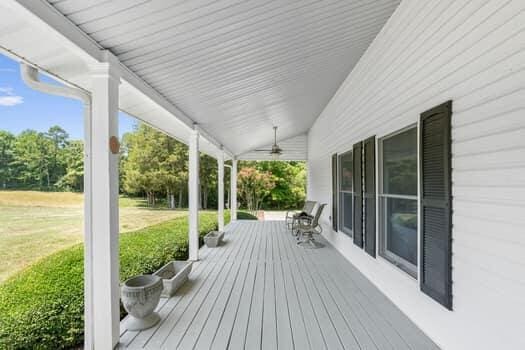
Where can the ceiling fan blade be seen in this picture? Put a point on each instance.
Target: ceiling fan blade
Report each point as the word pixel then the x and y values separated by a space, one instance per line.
pixel 275 150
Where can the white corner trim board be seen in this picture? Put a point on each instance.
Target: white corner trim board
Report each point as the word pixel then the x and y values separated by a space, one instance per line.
pixel 429 52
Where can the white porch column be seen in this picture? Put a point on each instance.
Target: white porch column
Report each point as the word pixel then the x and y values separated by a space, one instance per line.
pixel 220 192
pixel 234 190
pixel 101 202
pixel 193 196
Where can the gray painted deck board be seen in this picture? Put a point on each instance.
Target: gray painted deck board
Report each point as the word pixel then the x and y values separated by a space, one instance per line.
pixel 297 324
pixel 262 291
pixel 228 293
pixel 238 335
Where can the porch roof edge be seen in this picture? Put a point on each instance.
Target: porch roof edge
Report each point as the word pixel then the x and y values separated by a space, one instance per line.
pixel 44 16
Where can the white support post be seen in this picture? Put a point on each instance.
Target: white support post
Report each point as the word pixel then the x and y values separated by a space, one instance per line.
pixel 101 201
pixel 193 196
pixel 220 192
pixel 234 190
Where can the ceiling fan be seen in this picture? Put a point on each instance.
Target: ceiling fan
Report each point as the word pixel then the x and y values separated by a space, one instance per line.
pixel 276 151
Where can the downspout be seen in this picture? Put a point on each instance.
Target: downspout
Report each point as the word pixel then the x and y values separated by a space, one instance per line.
pixel 30 77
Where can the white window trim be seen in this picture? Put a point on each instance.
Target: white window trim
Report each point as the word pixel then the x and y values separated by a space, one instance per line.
pixel 340 227
pixel 399 263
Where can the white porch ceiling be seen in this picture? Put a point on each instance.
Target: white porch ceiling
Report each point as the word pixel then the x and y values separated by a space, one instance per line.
pixel 237 67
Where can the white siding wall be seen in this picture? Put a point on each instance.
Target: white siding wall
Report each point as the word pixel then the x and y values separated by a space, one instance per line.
pixel 472 52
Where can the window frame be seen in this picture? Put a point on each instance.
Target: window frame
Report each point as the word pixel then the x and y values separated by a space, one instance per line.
pixel 340 210
pixel 382 198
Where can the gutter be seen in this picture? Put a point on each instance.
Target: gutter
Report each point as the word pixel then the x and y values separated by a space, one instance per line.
pixel 30 77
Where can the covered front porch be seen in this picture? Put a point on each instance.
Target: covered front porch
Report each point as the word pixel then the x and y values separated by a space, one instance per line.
pixel 261 290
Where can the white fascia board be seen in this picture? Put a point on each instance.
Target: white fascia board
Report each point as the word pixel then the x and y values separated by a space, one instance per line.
pixel 46 18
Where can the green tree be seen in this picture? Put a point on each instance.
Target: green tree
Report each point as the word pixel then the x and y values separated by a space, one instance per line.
pixel 32 160
pixel 154 164
pixel 57 162
pixel 290 183
pixel 254 185
pixel 73 179
pixel 177 164
pixel 7 141
pixel 208 178
pixel 151 164
pixel 141 162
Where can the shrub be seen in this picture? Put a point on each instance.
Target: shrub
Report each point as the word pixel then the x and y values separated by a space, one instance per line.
pixel 42 307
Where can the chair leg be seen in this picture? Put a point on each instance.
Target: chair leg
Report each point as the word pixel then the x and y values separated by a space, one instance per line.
pixel 299 236
pixel 309 241
pixel 295 231
pixel 305 237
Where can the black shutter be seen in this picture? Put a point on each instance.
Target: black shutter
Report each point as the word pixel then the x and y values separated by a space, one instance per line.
pixel 358 196
pixel 334 191
pixel 436 204
pixel 370 195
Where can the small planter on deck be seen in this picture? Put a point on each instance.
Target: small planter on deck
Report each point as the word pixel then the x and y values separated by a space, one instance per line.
pixel 213 239
pixel 140 296
pixel 173 275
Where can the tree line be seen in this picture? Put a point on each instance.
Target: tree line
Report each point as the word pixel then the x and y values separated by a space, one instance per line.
pixel 44 161
pixel 152 165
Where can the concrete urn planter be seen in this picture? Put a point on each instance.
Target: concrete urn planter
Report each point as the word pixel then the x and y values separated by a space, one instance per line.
pixel 213 239
pixel 173 275
pixel 140 297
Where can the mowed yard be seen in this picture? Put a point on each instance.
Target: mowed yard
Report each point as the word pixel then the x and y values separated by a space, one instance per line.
pixel 36 224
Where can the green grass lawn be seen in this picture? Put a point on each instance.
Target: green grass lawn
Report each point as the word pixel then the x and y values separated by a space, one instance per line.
pixel 36 224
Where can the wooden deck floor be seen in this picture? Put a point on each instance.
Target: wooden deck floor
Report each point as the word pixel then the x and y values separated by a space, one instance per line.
pixel 262 291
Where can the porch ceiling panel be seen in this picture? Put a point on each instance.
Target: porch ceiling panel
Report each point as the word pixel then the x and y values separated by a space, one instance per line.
pixel 237 67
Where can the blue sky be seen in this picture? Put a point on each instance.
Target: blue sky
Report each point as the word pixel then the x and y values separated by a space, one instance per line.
pixel 22 108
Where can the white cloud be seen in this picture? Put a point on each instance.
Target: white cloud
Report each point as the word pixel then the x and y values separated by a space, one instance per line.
pixel 8 98
pixel 9 101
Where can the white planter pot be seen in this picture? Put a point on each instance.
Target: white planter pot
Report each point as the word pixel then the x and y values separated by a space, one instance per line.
pixel 173 275
pixel 213 239
pixel 140 297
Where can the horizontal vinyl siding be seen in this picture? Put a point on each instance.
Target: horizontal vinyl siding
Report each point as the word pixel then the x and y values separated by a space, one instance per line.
pixel 472 52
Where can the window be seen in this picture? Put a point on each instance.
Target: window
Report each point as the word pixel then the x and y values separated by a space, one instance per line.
pixel 398 200
pixel 334 193
pixel 345 192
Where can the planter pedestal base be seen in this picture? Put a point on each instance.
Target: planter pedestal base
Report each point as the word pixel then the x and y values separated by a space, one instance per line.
pixel 138 324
